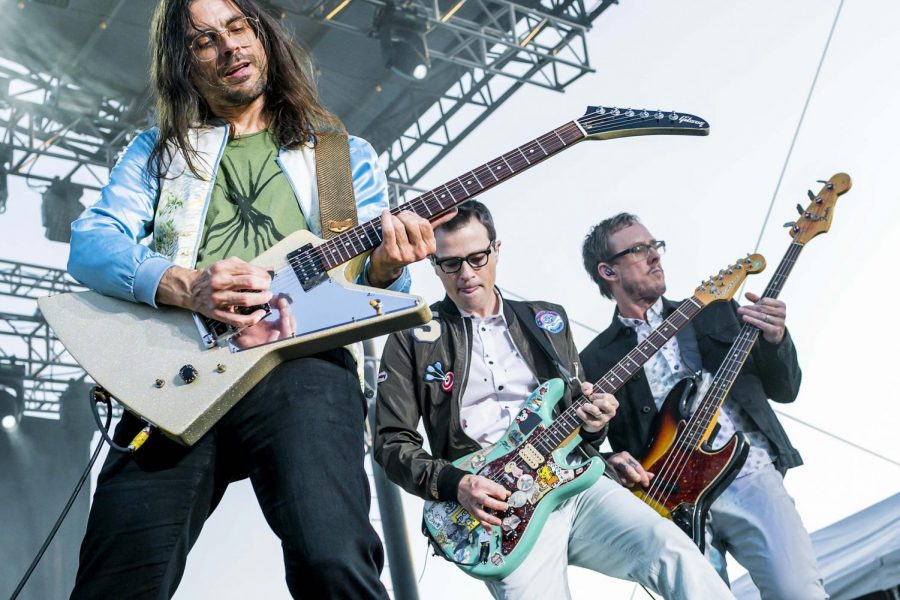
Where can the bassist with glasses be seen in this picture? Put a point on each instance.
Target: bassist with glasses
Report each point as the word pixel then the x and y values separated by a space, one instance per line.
pixel 754 518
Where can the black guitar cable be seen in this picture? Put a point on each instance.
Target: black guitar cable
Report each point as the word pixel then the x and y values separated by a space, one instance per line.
pixel 97 395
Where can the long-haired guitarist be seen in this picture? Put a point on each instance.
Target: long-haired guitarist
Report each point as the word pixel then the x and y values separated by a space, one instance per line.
pixel 228 172
pixel 754 519
pixel 467 374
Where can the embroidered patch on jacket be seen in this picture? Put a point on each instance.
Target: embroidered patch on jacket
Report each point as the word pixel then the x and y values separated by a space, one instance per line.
pixel 435 372
pixel 549 321
pixel 428 333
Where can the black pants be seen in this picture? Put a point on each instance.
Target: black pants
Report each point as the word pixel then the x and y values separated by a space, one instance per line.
pixel 298 435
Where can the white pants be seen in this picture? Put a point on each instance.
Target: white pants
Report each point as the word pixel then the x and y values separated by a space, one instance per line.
pixel 608 529
pixel 756 521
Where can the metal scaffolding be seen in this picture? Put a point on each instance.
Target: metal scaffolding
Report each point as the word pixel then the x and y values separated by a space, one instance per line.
pixel 29 341
pixel 500 46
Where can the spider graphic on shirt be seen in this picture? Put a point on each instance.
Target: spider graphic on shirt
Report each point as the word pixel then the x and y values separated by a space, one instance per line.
pixel 247 219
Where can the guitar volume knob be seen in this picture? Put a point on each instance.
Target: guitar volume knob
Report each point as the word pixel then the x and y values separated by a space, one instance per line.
pixel 187 373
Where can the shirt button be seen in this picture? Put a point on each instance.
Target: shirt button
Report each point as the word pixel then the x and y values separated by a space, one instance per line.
pixel 645 409
pixel 500 388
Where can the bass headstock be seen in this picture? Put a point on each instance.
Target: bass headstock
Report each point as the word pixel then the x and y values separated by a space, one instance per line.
pixel 607 122
pixel 817 217
pixel 729 280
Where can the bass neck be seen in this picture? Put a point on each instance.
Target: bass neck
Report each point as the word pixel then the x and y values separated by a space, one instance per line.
pixel 731 366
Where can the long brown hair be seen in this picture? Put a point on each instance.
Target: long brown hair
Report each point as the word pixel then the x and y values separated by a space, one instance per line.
pixel 292 106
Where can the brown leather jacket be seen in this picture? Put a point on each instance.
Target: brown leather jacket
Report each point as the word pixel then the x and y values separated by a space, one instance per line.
pixel 405 395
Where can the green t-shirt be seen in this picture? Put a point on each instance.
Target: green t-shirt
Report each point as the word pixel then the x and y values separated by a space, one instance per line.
pixel 252 205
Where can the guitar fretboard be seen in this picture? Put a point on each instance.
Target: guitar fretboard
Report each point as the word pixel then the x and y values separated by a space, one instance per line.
pixel 737 355
pixel 568 421
pixel 433 203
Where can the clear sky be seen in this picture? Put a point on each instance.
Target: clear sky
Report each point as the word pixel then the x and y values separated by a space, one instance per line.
pixel 746 68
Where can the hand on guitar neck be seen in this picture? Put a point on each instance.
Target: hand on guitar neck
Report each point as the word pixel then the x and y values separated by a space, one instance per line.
pixel 766 314
pixel 406 238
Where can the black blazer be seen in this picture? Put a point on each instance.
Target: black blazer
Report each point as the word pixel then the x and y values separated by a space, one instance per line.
pixel 771 372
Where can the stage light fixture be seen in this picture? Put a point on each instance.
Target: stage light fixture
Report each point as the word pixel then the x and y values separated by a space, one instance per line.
pixel 59 207
pixel 402 33
pixel 12 395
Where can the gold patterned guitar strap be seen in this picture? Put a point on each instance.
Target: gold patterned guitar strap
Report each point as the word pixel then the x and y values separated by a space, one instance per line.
pixel 337 204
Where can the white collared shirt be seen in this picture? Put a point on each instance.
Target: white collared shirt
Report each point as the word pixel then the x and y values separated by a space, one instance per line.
pixel 499 380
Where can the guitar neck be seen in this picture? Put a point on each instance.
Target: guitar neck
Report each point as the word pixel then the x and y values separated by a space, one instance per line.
pixel 568 421
pixel 443 198
pixel 737 355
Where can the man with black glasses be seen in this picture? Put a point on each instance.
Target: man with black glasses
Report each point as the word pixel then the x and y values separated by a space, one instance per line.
pixel 467 374
pixel 228 172
pixel 754 519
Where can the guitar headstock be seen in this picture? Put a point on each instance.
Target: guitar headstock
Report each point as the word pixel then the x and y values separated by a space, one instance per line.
pixel 605 122
pixel 816 218
pixel 729 280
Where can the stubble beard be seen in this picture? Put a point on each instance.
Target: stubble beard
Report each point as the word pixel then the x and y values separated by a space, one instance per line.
pixel 650 292
pixel 241 97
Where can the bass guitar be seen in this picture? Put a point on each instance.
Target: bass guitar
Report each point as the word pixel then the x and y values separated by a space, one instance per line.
pixel 688 475
pixel 182 372
pixel 530 460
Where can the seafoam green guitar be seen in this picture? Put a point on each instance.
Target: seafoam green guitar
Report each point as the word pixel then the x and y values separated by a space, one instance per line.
pixel 530 460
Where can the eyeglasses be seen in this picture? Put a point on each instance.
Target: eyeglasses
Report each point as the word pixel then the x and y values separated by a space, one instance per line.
pixel 242 31
pixel 452 265
pixel 640 251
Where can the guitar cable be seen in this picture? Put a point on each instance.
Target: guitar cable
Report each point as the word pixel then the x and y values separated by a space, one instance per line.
pixel 96 395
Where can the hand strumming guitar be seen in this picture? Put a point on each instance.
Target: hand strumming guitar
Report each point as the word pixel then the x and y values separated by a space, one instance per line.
pixel 630 470
pixel 476 494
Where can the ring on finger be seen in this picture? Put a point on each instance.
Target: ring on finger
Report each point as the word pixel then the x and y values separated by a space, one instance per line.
pixel 766 318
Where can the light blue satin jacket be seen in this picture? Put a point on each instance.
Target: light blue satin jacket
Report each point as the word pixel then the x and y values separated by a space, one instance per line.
pixel 111 250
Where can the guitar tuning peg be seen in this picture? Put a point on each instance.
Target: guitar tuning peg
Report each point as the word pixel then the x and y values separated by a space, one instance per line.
pixel 828 184
pixel 810 194
pixel 799 209
pixel 790 224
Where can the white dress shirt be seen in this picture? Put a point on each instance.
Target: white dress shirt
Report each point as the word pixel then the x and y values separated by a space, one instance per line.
pixel 499 380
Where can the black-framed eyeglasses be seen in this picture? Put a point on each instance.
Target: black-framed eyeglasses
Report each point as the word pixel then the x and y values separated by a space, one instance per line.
pixel 639 251
pixel 453 264
pixel 241 31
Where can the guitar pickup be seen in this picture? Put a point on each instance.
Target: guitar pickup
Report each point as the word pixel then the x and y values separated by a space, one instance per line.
pixel 532 457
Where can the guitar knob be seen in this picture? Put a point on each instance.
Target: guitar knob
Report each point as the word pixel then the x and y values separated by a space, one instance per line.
pixel 188 373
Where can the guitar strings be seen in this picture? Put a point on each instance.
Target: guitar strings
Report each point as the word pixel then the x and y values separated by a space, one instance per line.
pixel 607 120
pixel 482 170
